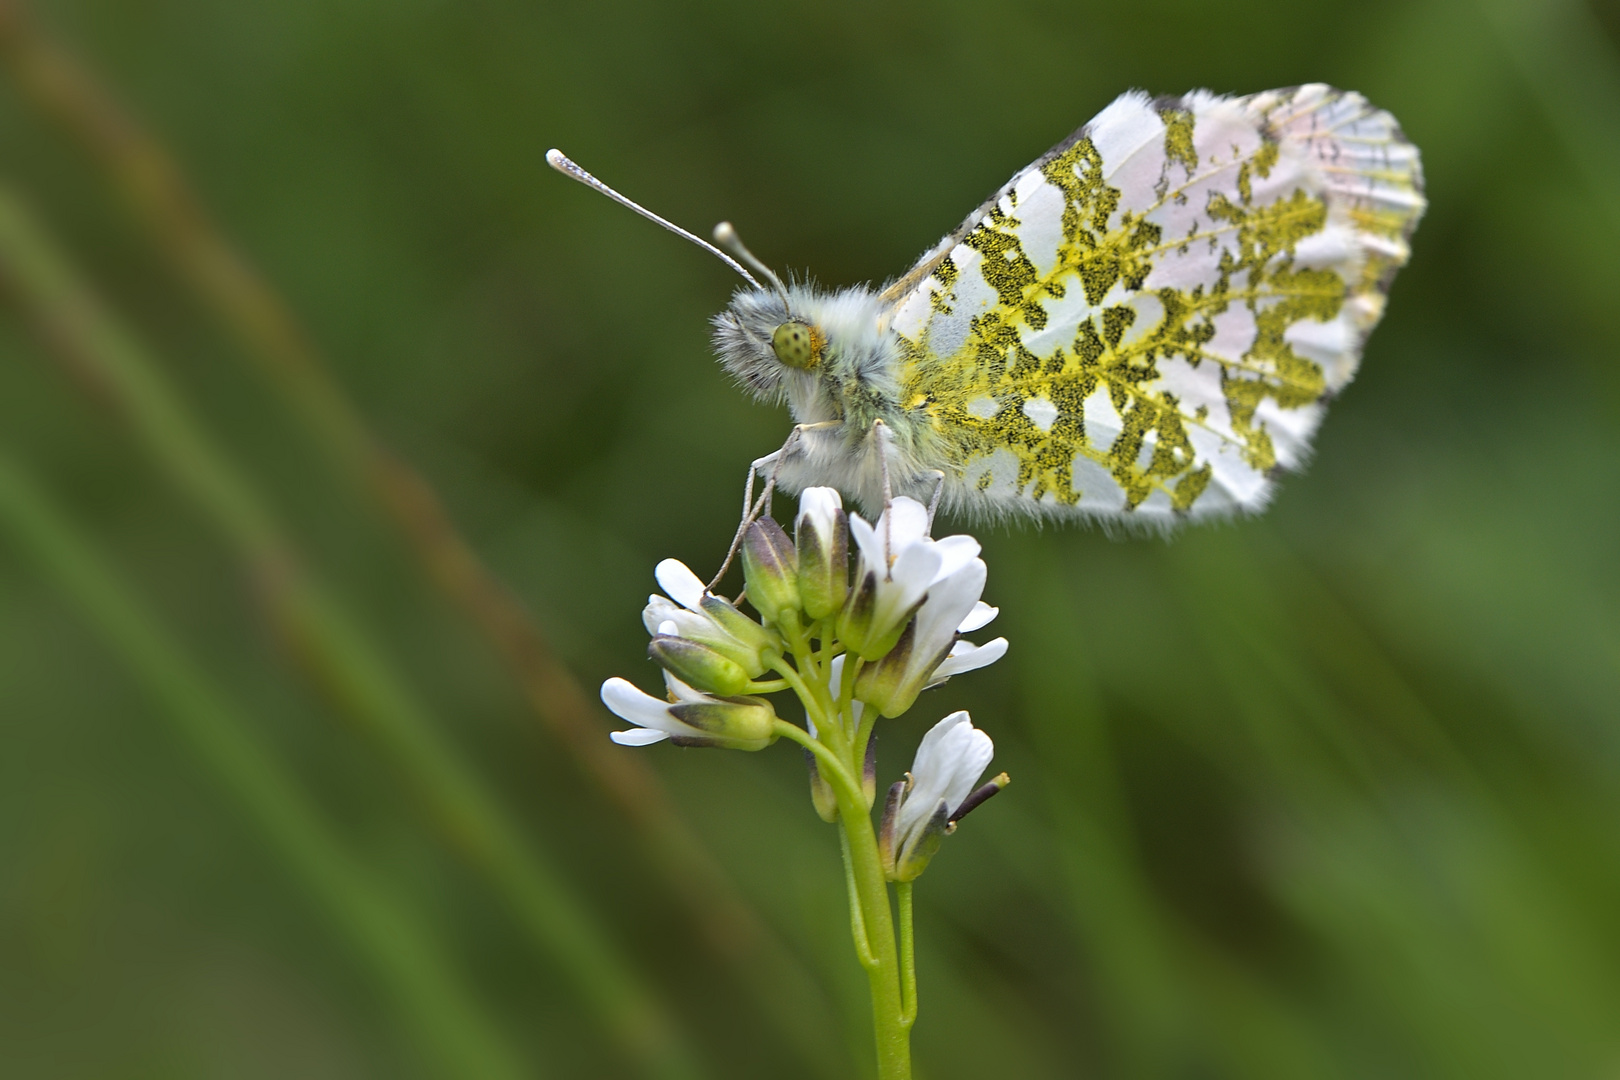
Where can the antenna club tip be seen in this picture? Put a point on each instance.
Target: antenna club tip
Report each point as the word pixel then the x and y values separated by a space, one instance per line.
pixel 725 233
pixel 557 159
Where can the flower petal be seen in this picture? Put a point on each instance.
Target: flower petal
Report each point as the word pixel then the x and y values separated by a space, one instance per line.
pixel 973 751
pixel 867 544
pixel 950 600
pixel 683 586
pixel 928 749
pixel 916 568
pixel 955 552
pixel 629 703
pixel 978 618
pixel 682 693
pixel 820 502
pixel 904 523
pixel 966 656
pixel 931 773
pixel 658 611
pixel 638 736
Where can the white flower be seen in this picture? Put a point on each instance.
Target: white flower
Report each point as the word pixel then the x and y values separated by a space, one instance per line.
pixel 927 651
pixel 699 616
pixel 899 564
pixel 691 719
pixel 939 790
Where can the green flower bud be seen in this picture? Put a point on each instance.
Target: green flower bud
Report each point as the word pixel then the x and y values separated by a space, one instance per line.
pixel 698 665
pixel 750 642
pixel 920 847
pixel 770 567
pixel 821 792
pixel 867 626
pixel 736 723
pixel 689 718
pixel 822 540
pixel 697 615
pixel 885 685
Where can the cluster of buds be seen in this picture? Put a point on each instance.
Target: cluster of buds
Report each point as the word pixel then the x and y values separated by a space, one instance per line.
pixel 897 610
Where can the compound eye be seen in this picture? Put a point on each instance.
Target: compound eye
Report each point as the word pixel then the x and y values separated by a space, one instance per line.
pixel 797 345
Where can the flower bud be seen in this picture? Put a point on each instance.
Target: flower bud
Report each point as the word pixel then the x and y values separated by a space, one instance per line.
pixel 821 792
pixel 689 718
pixel 770 567
pixel 884 685
pixel 821 535
pixel 698 666
pixel 917 848
pixel 887 826
pixel 737 723
pixel 697 615
pixel 749 642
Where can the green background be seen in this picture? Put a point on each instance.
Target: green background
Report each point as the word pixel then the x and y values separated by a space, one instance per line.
pixel 1328 793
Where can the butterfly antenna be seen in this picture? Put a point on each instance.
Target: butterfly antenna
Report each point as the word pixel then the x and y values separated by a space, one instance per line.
pixel 725 234
pixel 559 161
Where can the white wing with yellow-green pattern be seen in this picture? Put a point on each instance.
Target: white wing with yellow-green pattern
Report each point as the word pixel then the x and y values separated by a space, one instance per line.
pixel 1147 322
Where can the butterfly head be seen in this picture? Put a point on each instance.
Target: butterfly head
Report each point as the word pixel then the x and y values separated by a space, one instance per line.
pixel 799 343
pixel 765 344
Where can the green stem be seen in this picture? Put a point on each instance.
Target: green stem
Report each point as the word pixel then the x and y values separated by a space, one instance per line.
pixel 857 923
pixel 890 1030
pixel 908 957
pixel 846 698
pixel 863 735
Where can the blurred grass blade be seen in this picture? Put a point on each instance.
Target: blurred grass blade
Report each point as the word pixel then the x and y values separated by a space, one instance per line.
pixel 338 653
pixel 435 1007
pixel 153 184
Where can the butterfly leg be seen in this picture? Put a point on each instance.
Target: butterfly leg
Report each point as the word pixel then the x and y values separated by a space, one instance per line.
pixel 881 436
pixel 939 489
pixel 753 508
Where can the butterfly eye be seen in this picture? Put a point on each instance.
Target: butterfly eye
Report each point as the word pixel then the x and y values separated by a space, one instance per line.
pixel 797 345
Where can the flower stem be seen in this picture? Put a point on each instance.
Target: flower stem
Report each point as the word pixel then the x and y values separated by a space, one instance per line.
pixel 870 899
pixel 908 957
pixel 846 698
pixel 857 923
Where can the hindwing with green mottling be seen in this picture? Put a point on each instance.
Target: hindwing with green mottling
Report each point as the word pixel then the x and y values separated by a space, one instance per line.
pixel 1146 322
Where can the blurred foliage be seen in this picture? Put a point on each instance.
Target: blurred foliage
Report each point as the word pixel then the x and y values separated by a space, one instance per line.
pixel 1330 793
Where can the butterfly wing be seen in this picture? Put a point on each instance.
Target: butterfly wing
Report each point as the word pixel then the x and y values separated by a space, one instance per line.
pixel 1147 322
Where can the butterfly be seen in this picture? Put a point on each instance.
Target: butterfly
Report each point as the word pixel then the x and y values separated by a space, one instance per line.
pixel 1144 325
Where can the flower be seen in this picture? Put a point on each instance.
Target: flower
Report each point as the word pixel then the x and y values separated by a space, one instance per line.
pixel 691 718
pixel 771 569
pixel 928 651
pixel 899 563
pixel 936 793
pixel 821 537
pixel 698 616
